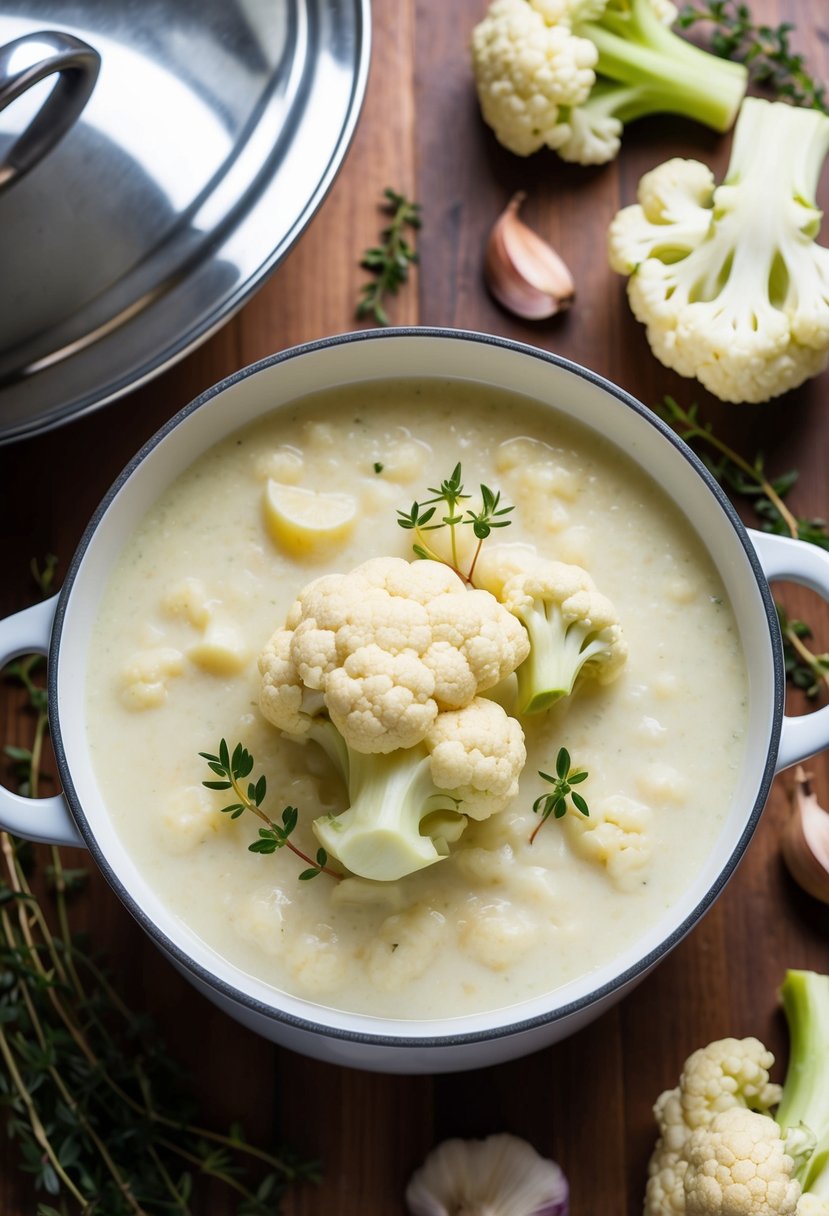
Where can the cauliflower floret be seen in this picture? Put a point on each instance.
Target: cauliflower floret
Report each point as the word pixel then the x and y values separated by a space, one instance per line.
pixel 407 806
pixel 189 818
pixel 534 68
pixel 404 947
pixel 389 645
pixel 721 1150
pixel 738 1166
pixel 495 932
pixel 594 138
pixel 525 71
pixel 145 677
pixel 573 629
pixel 616 834
pixel 727 1074
pixel 386 663
pixel 316 959
pixel 728 280
pixel 478 753
pixel 188 599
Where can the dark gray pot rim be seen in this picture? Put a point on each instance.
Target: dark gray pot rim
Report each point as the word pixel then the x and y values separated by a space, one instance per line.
pixel 510 1027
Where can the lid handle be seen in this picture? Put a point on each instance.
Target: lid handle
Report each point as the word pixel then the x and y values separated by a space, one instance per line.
pixel 25 62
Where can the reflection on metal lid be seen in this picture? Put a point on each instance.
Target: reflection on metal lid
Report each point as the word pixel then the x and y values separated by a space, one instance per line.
pixel 209 138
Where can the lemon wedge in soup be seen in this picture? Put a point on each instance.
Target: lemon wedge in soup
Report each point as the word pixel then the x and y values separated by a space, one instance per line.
pixel 302 521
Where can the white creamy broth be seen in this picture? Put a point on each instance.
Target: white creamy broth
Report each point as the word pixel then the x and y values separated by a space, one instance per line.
pixel 203 584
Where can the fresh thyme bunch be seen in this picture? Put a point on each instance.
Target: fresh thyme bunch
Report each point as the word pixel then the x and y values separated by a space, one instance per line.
pixel 806 670
pixel 765 50
pixel 99 1110
pixel 389 261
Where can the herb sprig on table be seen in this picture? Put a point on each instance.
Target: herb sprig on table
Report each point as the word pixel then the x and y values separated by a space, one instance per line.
pixel 420 518
pixel 232 771
pixel 805 669
pixel 389 261
pixel 765 50
pixel 98 1108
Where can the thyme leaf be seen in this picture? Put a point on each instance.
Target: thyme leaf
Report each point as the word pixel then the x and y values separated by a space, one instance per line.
pixel 420 518
pixel 805 670
pixel 232 771
pixel 389 261
pixel 554 801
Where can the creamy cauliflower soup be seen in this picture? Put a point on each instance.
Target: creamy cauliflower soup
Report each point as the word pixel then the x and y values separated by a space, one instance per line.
pixel 214 569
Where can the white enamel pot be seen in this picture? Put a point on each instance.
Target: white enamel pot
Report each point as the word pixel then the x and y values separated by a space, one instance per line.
pixel 746 561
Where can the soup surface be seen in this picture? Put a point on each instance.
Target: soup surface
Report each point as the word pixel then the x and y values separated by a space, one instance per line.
pixel 212 571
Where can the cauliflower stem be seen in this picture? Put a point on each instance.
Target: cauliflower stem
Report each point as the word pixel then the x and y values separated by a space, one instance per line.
pixel 397 820
pixel 568 74
pixel 805 1099
pixel 655 71
pixel 558 651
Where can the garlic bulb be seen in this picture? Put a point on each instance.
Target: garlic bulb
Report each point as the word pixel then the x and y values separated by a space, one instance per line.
pixel 499 1176
pixel 522 271
pixel 805 840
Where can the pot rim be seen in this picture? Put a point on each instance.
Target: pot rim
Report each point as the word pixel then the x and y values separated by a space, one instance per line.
pixel 509 1027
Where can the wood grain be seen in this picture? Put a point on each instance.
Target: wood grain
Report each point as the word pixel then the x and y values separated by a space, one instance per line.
pixel 585 1102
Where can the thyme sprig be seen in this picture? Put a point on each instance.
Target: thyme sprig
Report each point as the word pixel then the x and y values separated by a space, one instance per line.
pixel 389 262
pixel 765 50
pixel 806 670
pixel 99 1110
pixel 554 801
pixel 232 770
pixel 420 518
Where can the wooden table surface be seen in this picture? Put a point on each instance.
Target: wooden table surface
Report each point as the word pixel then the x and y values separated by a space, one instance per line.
pixel 586 1102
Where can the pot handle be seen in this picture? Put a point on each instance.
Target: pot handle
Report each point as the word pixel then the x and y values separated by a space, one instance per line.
pixel 45 819
pixel 43 54
pixel 797 561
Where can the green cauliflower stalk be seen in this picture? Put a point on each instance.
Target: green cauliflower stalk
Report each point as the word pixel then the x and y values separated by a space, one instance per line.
pixel 569 74
pixel 728 279
pixel 397 821
pixel 407 806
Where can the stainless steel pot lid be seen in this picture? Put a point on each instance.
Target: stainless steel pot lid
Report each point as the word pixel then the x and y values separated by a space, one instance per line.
pixel 157 160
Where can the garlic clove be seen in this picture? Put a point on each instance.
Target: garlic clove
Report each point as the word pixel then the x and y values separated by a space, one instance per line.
pixel 805 840
pixel 522 271
pixel 499 1176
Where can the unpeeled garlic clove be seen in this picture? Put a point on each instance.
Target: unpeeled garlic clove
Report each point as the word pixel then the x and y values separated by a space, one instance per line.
pixel 522 271
pixel 805 840
pixel 499 1176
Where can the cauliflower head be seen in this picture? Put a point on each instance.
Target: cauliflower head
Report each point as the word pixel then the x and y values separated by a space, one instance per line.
pixel 738 1166
pixel 728 279
pixel 729 1073
pixel 384 650
pixel 526 70
pixel 568 74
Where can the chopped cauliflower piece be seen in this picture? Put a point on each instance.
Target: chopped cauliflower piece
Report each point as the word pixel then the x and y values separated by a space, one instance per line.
pixel 404 947
pixel 188 600
pixel 189 818
pixel 145 677
pixel 616 835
